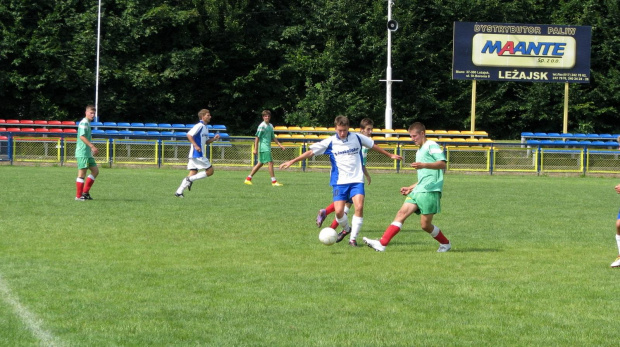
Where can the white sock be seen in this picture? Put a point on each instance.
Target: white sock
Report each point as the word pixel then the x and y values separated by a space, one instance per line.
pixel 618 242
pixel 273 179
pixel 346 209
pixel 198 176
pixel 249 178
pixel 181 187
pixel 435 231
pixel 344 222
pixel 91 177
pixel 356 226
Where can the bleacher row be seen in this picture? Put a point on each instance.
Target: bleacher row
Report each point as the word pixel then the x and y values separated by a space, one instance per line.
pixel 106 128
pixel 281 130
pixel 570 139
pixel 383 138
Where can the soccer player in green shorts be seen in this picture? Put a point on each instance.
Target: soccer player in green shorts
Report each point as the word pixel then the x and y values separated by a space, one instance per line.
pixel 423 197
pixel 262 148
pixel 84 151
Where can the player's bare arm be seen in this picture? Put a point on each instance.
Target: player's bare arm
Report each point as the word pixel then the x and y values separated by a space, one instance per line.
pixel 618 189
pixel 93 149
pixel 407 190
pixel 366 174
pixel 288 164
pixel 387 154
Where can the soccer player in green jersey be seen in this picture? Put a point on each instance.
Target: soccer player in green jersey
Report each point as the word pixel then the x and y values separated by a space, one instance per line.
pixel 262 148
pixel 424 196
pixel 84 151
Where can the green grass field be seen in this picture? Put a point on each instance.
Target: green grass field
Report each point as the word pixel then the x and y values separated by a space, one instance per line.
pixel 237 265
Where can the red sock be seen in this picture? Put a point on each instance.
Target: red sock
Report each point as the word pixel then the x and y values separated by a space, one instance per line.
pixel 89 183
pixel 334 224
pixel 79 188
pixel 329 209
pixel 442 239
pixel 389 233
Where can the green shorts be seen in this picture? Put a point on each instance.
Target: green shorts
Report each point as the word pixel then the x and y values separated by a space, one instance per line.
pixel 85 162
pixel 264 157
pixel 428 203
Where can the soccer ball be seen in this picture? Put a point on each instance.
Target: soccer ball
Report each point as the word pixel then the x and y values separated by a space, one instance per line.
pixel 328 236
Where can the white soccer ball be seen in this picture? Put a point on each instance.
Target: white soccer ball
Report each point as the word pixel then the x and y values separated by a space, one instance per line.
pixel 328 236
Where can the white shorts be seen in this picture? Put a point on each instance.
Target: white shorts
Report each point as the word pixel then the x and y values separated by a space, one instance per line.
pixel 198 164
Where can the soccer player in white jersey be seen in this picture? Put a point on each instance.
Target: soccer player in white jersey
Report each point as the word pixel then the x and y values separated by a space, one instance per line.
pixel 347 174
pixel 198 137
pixel 366 126
pixel 423 197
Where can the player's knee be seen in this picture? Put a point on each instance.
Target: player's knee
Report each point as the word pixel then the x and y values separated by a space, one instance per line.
pixel 210 171
pixel 426 225
pixel 618 224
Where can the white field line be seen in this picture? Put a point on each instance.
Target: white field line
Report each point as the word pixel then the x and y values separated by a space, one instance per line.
pixel 28 318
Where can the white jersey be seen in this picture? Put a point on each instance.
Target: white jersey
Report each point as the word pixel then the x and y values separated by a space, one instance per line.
pixel 200 133
pixel 346 157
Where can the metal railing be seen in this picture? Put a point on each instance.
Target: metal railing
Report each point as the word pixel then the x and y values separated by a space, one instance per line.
pixel 237 152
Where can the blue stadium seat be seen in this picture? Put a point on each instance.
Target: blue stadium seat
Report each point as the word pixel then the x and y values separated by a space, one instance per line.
pixel 189 126
pixel 572 142
pixel 164 125
pixel 533 142
pixel 540 134
pixel 153 133
pixel 151 125
pixel 599 143
pixel 219 127
pixel 553 134
pixel 137 125
pixel 97 132
pixel 125 132
pixel 123 124
pixel 580 136
pixel 111 132
pixel 178 126
pixel 606 137
pixel 587 142
pixel 527 133
pixel 167 133
pixel 224 137
pixel 180 134
pixel 110 124
pixel 96 124
pixel 139 133
pixel 566 135
pixel 547 142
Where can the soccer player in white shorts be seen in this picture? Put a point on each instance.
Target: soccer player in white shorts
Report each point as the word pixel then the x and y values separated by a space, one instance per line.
pixel 198 136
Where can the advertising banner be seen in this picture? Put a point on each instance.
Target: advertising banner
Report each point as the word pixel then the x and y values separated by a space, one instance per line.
pixel 521 52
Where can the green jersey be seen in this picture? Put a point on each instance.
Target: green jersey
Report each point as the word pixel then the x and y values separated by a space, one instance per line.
pixel 429 180
pixel 265 136
pixel 81 149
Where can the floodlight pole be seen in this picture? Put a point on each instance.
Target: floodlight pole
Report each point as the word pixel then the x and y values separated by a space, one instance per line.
pixel 97 68
pixel 392 26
